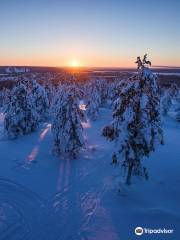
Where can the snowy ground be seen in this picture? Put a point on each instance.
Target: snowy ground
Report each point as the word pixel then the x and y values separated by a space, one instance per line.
pixel 43 197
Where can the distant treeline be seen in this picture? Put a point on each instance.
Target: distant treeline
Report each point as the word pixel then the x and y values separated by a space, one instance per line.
pixel 92 69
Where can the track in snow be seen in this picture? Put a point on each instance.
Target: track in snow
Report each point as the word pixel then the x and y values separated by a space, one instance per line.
pixel 79 203
pixel 70 213
pixel 22 212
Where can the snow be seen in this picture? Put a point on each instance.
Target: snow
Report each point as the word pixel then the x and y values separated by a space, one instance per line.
pixel 16 69
pixel 44 197
pixel 169 74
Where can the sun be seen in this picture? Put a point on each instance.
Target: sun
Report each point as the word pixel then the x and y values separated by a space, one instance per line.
pixel 74 63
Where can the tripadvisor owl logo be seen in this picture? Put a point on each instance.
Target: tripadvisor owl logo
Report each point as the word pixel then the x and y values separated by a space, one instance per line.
pixel 139 231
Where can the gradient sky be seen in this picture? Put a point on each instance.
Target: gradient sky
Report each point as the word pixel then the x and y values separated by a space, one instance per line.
pixel 95 32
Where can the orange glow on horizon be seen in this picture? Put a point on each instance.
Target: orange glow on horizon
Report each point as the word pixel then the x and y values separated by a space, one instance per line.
pixel 74 63
pixel 87 61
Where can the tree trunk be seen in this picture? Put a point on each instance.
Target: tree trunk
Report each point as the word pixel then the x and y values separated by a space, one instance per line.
pixel 129 174
pixel 114 159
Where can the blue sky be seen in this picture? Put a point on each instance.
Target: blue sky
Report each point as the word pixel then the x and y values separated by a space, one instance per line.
pixel 95 33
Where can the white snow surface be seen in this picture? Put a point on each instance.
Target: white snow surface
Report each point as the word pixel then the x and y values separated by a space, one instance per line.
pixel 47 198
pixel 16 69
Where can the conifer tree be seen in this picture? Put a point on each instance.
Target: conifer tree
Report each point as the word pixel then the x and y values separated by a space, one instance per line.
pixel 178 105
pixel 40 100
pixel 50 90
pixel 178 114
pixel 58 96
pixel 174 92
pixel 20 116
pixel 93 102
pixel 102 88
pixel 67 125
pixel 136 126
pixel 166 102
pixel 5 98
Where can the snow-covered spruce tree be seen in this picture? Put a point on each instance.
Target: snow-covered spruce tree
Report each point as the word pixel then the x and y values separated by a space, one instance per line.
pixel 93 101
pixel 5 98
pixel 67 128
pixel 170 99
pixel 111 91
pixel 102 88
pixel 136 126
pixel 166 102
pixel 1 98
pixel 40 100
pixel 58 96
pixel 117 93
pixel 174 92
pixel 178 115
pixel 20 116
pixel 50 90
pixel 116 88
pixel 178 107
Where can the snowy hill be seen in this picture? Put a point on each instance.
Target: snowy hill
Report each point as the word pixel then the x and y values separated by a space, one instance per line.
pixel 43 197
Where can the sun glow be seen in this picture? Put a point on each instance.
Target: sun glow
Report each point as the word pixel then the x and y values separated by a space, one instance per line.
pixel 74 63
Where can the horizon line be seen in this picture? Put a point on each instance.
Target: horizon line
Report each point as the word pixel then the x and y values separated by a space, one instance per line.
pixel 48 66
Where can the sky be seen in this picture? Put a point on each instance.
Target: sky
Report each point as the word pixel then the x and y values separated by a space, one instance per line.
pixel 100 33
